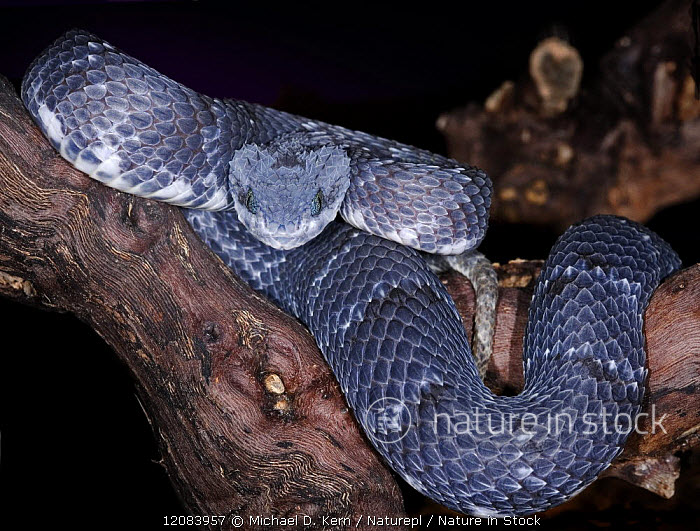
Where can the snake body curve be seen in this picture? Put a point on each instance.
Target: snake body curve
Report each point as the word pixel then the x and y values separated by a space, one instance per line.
pixel 134 129
pixel 384 322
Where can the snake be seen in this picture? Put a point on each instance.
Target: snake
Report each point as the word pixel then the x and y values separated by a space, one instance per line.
pixel 339 228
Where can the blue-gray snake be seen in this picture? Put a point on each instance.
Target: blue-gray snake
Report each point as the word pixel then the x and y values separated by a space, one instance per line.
pixel 381 318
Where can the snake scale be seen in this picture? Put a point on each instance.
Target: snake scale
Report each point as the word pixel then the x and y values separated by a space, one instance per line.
pixel 263 188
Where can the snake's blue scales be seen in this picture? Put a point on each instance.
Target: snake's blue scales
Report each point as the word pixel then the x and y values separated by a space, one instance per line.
pixel 383 321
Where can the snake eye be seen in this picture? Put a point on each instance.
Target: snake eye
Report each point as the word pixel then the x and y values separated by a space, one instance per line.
pixel 317 203
pixel 250 202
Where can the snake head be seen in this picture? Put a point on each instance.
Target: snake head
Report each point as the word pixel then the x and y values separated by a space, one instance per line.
pixel 285 192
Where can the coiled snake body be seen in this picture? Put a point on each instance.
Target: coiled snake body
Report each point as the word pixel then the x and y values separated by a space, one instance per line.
pixel 382 319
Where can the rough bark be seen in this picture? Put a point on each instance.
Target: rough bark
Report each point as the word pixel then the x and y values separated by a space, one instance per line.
pixel 626 143
pixel 248 416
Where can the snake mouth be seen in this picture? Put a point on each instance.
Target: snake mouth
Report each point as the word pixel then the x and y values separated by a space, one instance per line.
pixel 283 243
pixel 283 237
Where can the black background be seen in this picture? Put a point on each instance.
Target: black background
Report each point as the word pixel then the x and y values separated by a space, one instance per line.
pixel 76 447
